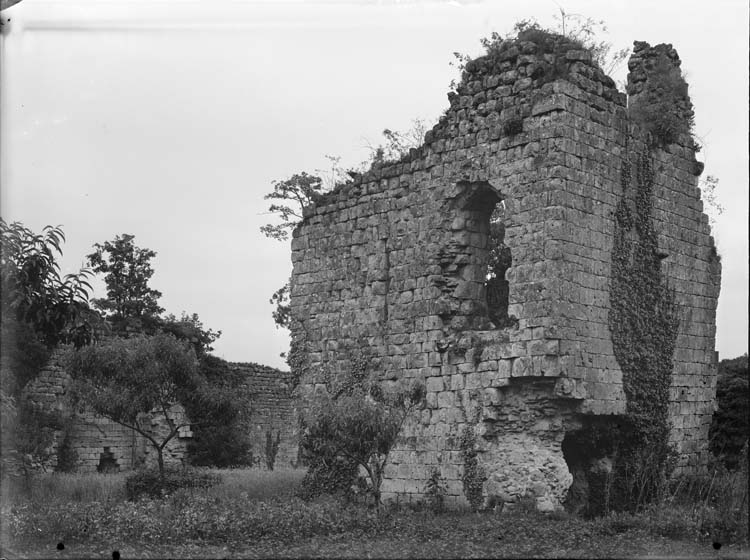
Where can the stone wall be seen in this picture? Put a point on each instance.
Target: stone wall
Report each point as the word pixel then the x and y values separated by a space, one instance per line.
pixel 97 443
pixel 393 267
pixel 272 411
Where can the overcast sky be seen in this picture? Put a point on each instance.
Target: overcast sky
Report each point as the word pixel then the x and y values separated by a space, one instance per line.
pixel 169 120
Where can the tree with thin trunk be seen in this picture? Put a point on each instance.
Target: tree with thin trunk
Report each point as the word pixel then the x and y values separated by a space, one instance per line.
pixel 126 379
pixel 360 426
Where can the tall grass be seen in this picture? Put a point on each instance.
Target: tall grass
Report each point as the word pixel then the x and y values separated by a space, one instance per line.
pixel 252 484
pixel 255 484
pixel 712 507
pixel 64 488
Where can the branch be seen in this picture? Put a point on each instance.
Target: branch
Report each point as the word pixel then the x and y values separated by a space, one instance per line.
pixel 136 427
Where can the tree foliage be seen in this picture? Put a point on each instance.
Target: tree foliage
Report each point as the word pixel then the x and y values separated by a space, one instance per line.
pixel 220 434
pixel 731 421
pixel 39 309
pixel 359 427
pixel 294 195
pixel 33 290
pixel 191 329
pixel 127 271
pixel 125 379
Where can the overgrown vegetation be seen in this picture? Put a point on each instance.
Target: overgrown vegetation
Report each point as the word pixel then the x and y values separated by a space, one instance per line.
pixel 643 322
pixel 355 428
pixel 572 32
pixel 473 475
pixel 664 109
pixel 252 513
pixel 221 434
pixel 731 422
pixel 153 484
pixel 125 379
pixel 38 310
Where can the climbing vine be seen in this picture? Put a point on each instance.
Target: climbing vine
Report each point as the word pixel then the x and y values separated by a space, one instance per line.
pixel 644 322
pixel 473 476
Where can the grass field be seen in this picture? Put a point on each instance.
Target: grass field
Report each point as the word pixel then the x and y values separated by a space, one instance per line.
pixel 254 513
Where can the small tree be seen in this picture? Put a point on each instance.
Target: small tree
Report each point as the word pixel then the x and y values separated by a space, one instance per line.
pixel 124 379
pixel 38 309
pixel 359 427
pixel 127 270
pixel 296 193
pixel 33 292
pixel 190 328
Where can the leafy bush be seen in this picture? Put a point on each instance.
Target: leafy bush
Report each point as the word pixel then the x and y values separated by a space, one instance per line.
pixel 219 446
pixel 356 428
pixel 328 475
pixel 151 484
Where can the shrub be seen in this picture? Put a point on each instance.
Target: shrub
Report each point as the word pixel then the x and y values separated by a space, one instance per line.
pixel 151 484
pixel 220 434
pixel 328 475
pixel 435 490
pixel 357 428
pixel 219 446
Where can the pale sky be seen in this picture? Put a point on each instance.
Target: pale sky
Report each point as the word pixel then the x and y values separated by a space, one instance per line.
pixel 169 120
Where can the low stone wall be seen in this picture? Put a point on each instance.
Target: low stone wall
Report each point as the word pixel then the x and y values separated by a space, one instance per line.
pixel 94 443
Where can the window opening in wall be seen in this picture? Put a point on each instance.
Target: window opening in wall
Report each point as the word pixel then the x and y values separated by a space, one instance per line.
pixel 107 462
pixel 485 216
pixel 497 288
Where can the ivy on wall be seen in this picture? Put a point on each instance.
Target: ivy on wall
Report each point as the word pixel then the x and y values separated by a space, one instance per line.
pixel 473 476
pixel 643 321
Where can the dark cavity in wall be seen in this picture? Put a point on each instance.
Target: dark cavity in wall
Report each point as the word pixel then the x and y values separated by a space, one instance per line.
pixel 591 453
pixel 107 462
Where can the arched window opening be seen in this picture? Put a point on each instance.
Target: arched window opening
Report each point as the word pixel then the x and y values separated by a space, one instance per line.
pixel 482 213
pixel 499 260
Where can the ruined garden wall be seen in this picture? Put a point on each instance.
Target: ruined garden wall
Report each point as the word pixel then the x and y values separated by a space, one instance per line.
pixel 392 268
pixel 97 442
pixel 93 438
pixel 272 411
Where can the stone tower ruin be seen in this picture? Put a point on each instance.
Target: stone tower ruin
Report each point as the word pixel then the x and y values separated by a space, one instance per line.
pixel 542 263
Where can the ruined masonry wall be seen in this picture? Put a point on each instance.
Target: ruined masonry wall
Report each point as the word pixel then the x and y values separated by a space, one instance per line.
pixel 270 401
pixel 392 268
pixel 89 435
